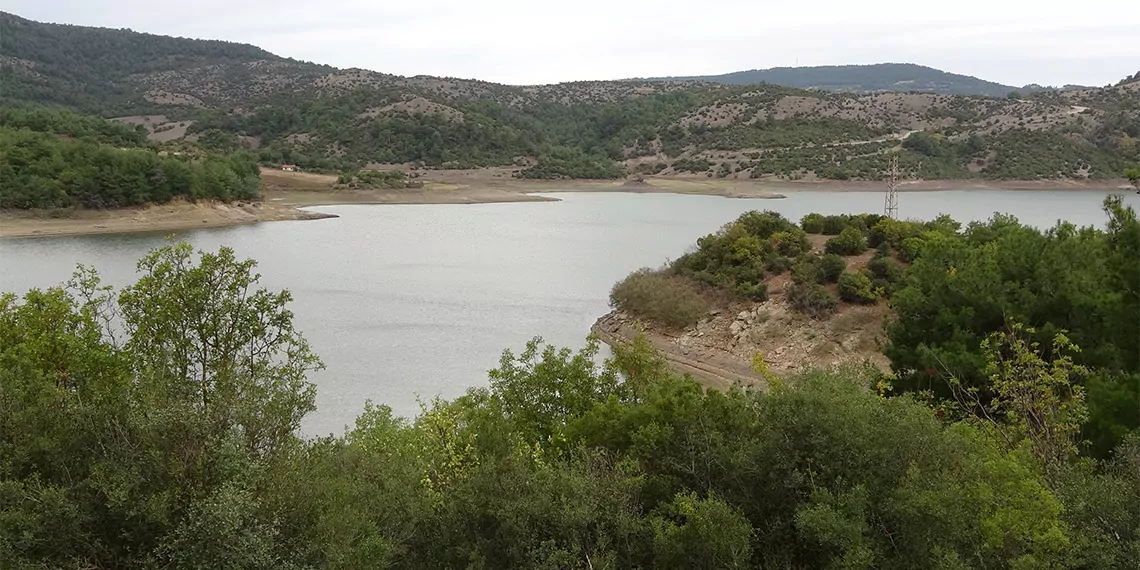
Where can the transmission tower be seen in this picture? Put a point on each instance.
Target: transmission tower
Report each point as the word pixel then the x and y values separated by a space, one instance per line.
pixel 891 203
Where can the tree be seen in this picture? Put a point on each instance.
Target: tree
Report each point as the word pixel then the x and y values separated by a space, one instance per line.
pixel 211 344
pixel 1036 403
pixel 850 241
pixel 855 287
pixel 1133 176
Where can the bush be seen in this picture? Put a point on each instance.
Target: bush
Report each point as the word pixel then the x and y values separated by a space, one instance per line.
pixel 811 299
pixel 849 242
pixel 908 250
pixel 812 223
pixel 807 269
pixel 662 296
pixel 753 291
pixel 831 267
pixel 885 268
pixel 856 288
pixel 791 243
pixel 778 265
pixel 833 225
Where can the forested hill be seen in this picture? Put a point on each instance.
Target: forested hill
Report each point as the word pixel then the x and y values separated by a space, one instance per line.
pixel 88 68
pixel 52 158
pixel 228 96
pixel 868 79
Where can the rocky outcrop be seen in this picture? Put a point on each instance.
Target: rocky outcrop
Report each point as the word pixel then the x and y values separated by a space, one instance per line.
pixel 719 350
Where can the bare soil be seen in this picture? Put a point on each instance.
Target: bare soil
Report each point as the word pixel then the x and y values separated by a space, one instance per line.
pixel 176 215
pixel 719 350
pixel 283 193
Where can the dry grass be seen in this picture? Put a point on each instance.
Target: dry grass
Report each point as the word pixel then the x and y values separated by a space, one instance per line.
pixel 670 299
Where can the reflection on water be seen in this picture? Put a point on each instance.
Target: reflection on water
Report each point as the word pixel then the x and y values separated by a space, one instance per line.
pixel 407 301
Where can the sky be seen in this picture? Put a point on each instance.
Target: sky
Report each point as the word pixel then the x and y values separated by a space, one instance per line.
pixel 1015 42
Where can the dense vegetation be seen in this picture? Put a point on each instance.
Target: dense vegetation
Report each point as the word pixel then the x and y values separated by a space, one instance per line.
pixel 51 158
pixel 949 289
pixel 334 120
pixel 85 68
pixel 164 439
pixel 867 78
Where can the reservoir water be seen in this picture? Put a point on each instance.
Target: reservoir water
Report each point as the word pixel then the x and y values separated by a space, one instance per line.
pixel 411 302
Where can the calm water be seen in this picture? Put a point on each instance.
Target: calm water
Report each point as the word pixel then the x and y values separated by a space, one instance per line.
pixel 407 302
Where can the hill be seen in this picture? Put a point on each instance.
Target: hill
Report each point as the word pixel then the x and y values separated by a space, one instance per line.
pixel 868 79
pixel 228 96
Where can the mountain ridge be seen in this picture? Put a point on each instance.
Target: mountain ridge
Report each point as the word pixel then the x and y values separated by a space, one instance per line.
pixel 868 78
pixel 229 95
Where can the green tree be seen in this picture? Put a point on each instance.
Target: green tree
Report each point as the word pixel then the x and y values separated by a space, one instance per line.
pixel 855 287
pixel 1133 176
pixel 850 241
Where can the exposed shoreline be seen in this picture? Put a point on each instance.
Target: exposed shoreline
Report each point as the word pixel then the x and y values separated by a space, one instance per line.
pixel 285 194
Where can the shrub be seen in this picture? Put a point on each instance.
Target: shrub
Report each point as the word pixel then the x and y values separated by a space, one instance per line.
pixel 791 243
pixel 778 265
pixel 849 242
pixel 883 250
pixel 856 287
pixel 662 296
pixel 885 268
pixel 812 223
pixel 833 225
pixel 811 299
pixel 908 250
pixel 831 267
pixel 807 270
pixel 753 291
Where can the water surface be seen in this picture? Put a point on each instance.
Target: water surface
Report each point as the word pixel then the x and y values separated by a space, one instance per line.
pixel 417 301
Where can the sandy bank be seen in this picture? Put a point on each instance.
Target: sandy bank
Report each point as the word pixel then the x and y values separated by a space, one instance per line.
pixel 285 192
pixel 173 216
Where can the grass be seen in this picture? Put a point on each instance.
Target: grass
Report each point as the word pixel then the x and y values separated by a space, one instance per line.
pixel 662 296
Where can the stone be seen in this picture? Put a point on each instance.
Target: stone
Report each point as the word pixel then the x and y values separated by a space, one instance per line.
pixel 735 328
pixel 742 316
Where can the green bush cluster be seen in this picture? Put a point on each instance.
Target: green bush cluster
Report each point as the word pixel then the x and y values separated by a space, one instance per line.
pixel 963 286
pixel 394 179
pixel 42 170
pixel 856 287
pixel 134 450
pixel 736 257
pixel 811 298
pixel 850 241
pixel 572 163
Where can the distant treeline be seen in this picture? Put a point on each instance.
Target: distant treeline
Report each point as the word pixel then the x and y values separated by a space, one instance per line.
pixel 58 159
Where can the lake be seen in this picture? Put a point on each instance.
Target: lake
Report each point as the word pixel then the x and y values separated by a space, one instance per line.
pixel 405 303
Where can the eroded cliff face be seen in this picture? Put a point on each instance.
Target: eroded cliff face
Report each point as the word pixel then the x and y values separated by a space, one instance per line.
pixel 720 349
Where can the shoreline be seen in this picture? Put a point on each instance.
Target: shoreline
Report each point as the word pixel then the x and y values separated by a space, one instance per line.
pixel 285 195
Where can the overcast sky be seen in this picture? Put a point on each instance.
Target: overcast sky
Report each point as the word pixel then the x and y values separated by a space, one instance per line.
pixel 1091 42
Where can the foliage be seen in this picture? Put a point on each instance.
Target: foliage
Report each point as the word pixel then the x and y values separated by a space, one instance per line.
pixel 832 266
pixel 812 223
pixel 849 242
pixel 811 299
pixel 64 122
pixel 736 257
pixel 395 179
pixel 154 429
pixel 855 287
pixel 563 162
pixel 660 295
pixel 866 78
pixel 965 286
pixel 1038 403
pixel 76 161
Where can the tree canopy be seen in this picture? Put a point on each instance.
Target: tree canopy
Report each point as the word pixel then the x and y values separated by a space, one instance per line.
pixel 154 427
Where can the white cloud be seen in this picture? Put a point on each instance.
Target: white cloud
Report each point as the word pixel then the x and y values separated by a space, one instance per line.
pixel 515 41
